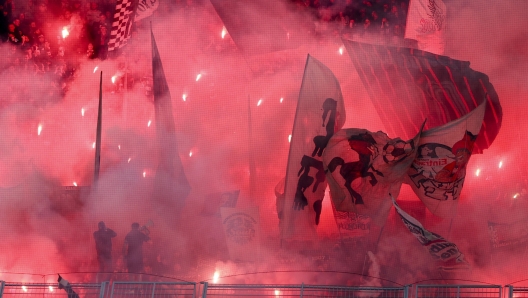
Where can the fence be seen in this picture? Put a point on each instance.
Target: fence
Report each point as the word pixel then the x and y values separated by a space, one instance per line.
pixel 457 291
pixel 280 291
pixel 190 289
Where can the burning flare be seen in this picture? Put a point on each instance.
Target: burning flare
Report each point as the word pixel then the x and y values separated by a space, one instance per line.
pixel 95 69
pixel 39 129
pixel 224 32
pixel 216 277
pixel 65 32
pixel 82 112
pixel 184 97
pixel 198 77
pixel 259 102
pixel 148 124
pixel 477 172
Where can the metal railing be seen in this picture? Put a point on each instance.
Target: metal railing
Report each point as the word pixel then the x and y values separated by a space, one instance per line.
pixel 457 291
pixel 281 291
pixel 153 289
pixel 26 290
pixel 517 292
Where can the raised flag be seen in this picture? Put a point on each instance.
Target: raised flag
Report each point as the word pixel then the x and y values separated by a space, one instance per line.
pixel 242 232
pixel 320 113
pixel 446 253
pixel 98 132
pixel 122 24
pixel 170 182
pixel 408 86
pixel 258 27
pixel 439 169
pixel 426 23
pixel 363 167
pixel 145 8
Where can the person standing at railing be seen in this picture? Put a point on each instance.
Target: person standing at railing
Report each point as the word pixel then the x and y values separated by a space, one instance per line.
pixel 133 249
pixel 103 246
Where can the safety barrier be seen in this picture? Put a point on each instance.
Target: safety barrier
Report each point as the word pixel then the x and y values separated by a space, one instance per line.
pixel 205 290
pixel 23 290
pixel 517 292
pixel 457 291
pixel 153 289
pixel 280 291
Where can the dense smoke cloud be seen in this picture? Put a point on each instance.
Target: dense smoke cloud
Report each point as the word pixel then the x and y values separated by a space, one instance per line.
pixel 43 235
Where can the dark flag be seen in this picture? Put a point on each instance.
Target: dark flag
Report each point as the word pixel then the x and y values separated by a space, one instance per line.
pixel 258 27
pixel 99 127
pixel 122 24
pixel 170 181
pixel 408 86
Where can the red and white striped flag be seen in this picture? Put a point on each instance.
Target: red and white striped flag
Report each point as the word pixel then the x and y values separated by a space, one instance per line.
pixel 121 24
pixel 408 86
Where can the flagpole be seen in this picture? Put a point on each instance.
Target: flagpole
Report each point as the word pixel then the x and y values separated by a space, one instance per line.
pixel 252 167
pixel 98 134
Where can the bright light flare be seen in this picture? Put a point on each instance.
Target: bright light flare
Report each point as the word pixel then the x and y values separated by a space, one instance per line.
pixel 95 69
pixel 289 139
pixel 198 77
pixel 190 153
pixel 113 79
pixel 24 288
pixel 277 292
pixel 281 99
pixel 50 288
pixel 65 32
pixel 216 277
pixel 500 164
pixel 515 196
pixel 259 102
pixel 129 159
pixel 119 147
pixel 39 129
pixel 340 50
pixel 224 32
pixel 477 172
pixel 184 97
pixel 93 145
pixel 148 124
pixel 74 183
pixel 82 112
pixel 144 174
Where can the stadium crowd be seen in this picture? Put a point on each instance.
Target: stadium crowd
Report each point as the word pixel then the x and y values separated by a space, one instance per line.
pixel 54 36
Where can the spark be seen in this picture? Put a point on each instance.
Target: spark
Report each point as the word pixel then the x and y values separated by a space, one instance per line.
pixel 500 164
pixel 281 99
pixel 184 97
pixel 259 102
pixel 216 276
pixel 65 32
pixel 148 124
pixel 129 159
pixel 144 174
pixel 224 32
pixel 24 288
pixel 50 288
pixel 93 145
pixel 74 183
pixel 82 112
pixel 198 77
pixel 477 172
pixel 119 147
pixel 515 196
pixel 340 50
pixel 113 79
pixel 95 69
pixel 190 153
pixel 39 129
pixel 289 138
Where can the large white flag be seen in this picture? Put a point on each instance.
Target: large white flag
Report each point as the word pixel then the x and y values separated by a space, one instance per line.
pixel 242 232
pixel 320 113
pixel 363 167
pixel 426 23
pixel 439 169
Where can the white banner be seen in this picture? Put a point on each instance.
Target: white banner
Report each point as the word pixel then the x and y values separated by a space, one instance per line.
pixel 242 232
pixel 426 23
